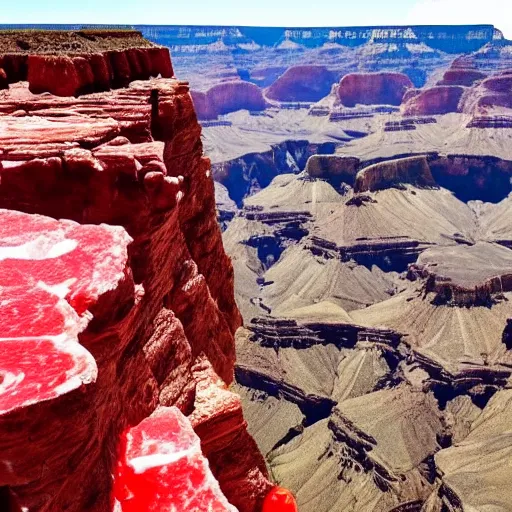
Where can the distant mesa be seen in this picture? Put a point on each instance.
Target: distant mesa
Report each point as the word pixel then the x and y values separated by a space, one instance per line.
pixel 441 99
pixel 460 76
pixel 266 76
pixel 373 88
pixel 335 168
pixel 228 97
pixel 450 39
pixel 202 107
pixel 493 93
pixel 232 96
pixel 302 83
pixel 500 83
pixel 463 89
pixel 486 273
pixel 395 173
pixel 71 63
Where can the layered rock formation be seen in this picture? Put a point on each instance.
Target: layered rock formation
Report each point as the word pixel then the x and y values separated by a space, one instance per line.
pixel 248 150
pixel 440 99
pixel 137 300
pixel 373 89
pixel 333 168
pixel 228 97
pixel 73 63
pixel 302 83
pixel 395 314
pixel 210 55
pixel 412 170
pixel 467 154
pixel 461 76
pixel 461 90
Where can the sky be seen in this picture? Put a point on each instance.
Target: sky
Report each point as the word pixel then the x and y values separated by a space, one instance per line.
pixel 289 13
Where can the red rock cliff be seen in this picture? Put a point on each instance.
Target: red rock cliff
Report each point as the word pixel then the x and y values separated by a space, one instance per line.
pixel 373 88
pixel 98 60
pixel 302 83
pixel 126 306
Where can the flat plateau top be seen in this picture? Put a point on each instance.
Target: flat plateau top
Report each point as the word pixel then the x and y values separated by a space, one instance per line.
pixel 67 41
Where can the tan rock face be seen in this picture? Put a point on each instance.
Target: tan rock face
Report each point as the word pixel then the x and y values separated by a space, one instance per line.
pixel 412 170
pixel 375 286
pixel 131 158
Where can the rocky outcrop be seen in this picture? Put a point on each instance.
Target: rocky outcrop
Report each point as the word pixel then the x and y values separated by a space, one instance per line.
pixel 470 471
pixel 202 107
pixel 228 97
pixel 74 63
pixel 373 88
pixel 501 82
pixel 136 290
pixel 440 99
pixel 463 90
pixel 302 83
pixel 336 169
pixel 219 422
pixel 254 171
pixel 367 431
pixel 461 76
pixel 232 96
pixel 489 97
pixel 494 122
pixel 474 177
pixel 409 124
pixel 226 207
pixel 395 173
pixel 485 277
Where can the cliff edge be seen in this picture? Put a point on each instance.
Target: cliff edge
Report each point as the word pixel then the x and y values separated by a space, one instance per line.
pixel 119 309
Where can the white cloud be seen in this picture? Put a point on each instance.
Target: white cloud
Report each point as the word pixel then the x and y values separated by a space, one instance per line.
pixel 462 12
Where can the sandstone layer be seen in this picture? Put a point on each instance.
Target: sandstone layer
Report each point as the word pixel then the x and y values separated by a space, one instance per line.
pixel 74 63
pixel 373 89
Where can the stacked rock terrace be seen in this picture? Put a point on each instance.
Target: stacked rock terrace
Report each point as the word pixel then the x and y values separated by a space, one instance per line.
pixel 398 300
pixel 74 63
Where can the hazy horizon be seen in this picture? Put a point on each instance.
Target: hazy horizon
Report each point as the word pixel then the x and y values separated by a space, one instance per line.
pixel 266 13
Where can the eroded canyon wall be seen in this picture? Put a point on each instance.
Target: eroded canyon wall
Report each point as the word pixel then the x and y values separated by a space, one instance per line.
pixel 136 289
